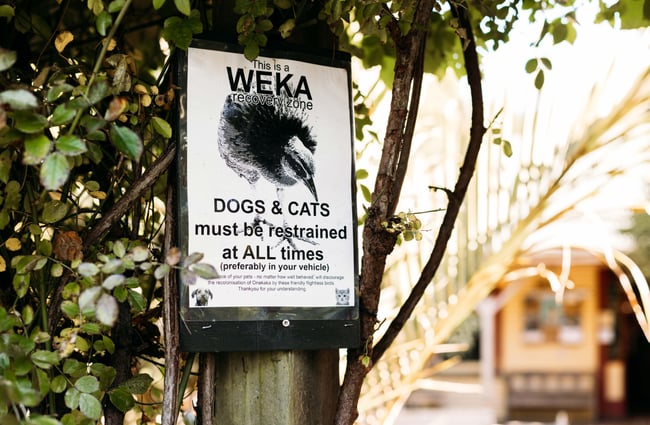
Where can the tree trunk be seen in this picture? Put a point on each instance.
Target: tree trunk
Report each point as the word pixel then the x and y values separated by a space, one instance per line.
pixel 276 388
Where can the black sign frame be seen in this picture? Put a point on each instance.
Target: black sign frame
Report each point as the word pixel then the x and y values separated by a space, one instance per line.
pixel 262 328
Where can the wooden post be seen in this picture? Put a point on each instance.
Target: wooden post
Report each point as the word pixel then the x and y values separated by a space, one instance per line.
pixel 277 388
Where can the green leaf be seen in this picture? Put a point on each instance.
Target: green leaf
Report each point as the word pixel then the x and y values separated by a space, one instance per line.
pixel 177 32
pixel 115 6
pixel 74 368
pixel 36 149
pixel 161 271
pixel 252 50
pixel 56 91
pixel 507 148
pixel 560 32
pixel 287 27
pixel 29 122
pixel 105 374
pixel 5 165
pixel 139 253
pixel 113 281
pixel 42 381
pixel 121 293
pixel 161 127
pixel 119 249
pixel 7 57
pixel 531 65
pixel 138 384
pixel 90 406
pixel 113 266
pixel 365 191
pixel 71 398
pixel 87 384
pixel 539 80
pixel 54 211
pixel 70 145
pixel 27 314
pixel 193 258
pixel 103 23
pixel 107 310
pixel 26 263
pixel 98 91
pixel 91 328
pixel 70 309
pixel 108 344
pixel 264 25
pixel 157 4
pixel 54 171
pixel 126 141
pixel 361 174
pixel 365 361
pixel 183 6
pixel 88 269
pixel 20 283
pixel 136 301
pixel 18 99
pixel 42 420
pixel 6 11
pixel 121 399
pixel 63 114
pixel 194 22
pixel 88 299
pixel 58 384
pixel 82 344
pixel 205 271
pixel 44 359
pixel 56 270
pixel 98 346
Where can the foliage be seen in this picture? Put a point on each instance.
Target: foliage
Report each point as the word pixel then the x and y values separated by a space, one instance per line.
pixel 86 111
pixel 80 118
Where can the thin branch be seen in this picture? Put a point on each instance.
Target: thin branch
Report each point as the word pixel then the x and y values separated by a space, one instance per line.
pixel 456 198
pixel 206 396
pixel 407 139
pixel 139 187
pixel 170 324
pixel 54 32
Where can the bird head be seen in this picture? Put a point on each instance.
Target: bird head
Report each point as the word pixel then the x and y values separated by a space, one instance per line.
pixel 298 162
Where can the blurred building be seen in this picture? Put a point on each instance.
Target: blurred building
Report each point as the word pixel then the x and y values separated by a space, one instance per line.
pixel 557 338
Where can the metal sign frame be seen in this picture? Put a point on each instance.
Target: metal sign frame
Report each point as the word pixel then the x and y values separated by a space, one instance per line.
pixel 267 193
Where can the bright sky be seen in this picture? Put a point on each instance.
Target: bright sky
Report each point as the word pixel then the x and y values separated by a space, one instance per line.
pixel 600 55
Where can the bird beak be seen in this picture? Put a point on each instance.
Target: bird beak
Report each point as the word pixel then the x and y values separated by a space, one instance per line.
pixel 309 182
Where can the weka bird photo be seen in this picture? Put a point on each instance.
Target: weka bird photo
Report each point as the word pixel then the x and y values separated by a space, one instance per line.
pixel 269 141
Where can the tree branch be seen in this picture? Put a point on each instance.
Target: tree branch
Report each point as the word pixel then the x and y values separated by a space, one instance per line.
pixel 407 138
pixel 377 243
pixel 170 323
pixel 456 197
pixel 135 191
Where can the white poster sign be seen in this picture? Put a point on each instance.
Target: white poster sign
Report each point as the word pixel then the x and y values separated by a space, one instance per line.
pixel 270 181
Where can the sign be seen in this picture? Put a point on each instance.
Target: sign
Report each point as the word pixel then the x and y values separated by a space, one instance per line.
pixel 267 195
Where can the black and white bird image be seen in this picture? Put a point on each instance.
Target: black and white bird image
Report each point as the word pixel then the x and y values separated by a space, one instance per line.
pixel 268 141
